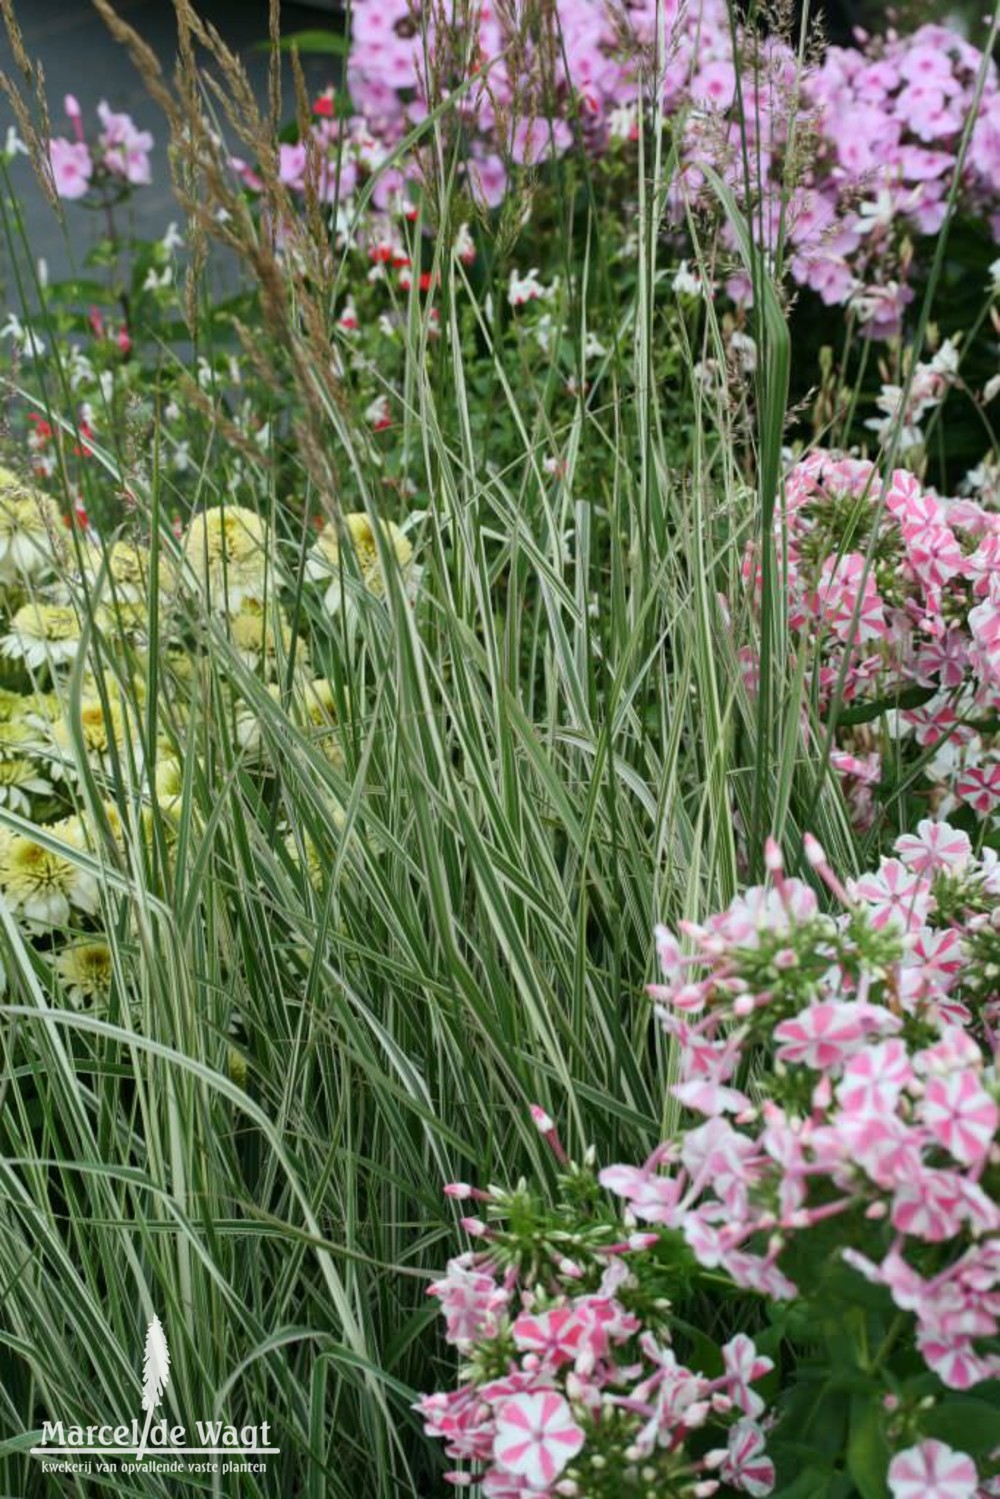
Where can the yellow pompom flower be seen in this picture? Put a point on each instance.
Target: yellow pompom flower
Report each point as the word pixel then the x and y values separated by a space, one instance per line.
pixel 32 535
pixel 325 563
pixel 42 635
pixel 228 550
pixel 86 969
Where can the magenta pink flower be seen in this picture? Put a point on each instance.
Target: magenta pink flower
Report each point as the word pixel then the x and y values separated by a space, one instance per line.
pixel 536 1437
pixel 932 1470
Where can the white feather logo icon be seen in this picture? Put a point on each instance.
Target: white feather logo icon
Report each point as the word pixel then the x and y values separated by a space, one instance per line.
pixel 155 1374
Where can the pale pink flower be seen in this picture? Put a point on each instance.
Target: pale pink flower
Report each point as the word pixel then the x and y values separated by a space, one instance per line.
pixel 960 1115
pixel 743 1364
pixel 874 1079
pixel 895 895
pixel 72 167
pixel 747 1465
pixel 536 1437
pixel 932 1470
pixel 933 847
pixel 826 1033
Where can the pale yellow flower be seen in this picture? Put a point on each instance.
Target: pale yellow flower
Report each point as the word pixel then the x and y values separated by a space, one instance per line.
pixel 105 735
pixel 87 970
pixel 130 570
pixel 168 780
pixel 42 635
pixel 21 779
pixel 254 636
pixel 41 885
pixel 229 553
pixel 326 564
pixel 32 535
pixel 320 710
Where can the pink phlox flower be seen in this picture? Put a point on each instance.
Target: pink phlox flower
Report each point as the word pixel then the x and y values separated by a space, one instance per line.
pixel 885 1149
pixel 934 554
pixel 873 1080
pixel 955 1051
pixel 942 663
pixel 827 1032
pixel 536 1437
pixel 554 1335
pixel 462 1418
pixel 754 1273
pixel 932 1470
pixel 896 896
pixel 931 1204
pixel 72 168
pixel 471 1301
pixel 718 1156
pixel 954 1360
pixel 703 1096
pixel 126 148
pixel 747 1466
pixel 651 1197
pixel 978 786
pixel 848 601
pixel 934 846
pixel 961 1116
pixel 743 1364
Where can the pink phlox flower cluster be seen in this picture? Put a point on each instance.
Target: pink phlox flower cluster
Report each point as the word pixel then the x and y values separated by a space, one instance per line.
pixel 884 1120
pixel 119 152
pixel 886 122
pixel 896 591
pixel 546 1365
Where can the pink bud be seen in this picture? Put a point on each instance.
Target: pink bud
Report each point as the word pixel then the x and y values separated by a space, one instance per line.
pixel 474 1227
pixel 814 851
pixel 773 861
pixel 890 1403
pixel 458 1190
pixel 541 1120
pixel 74 114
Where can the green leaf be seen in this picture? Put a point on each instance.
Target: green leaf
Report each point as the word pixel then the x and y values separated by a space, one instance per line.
pixel 966 1422
pixel 867 1449
pixel 322 43
pixel 811 1483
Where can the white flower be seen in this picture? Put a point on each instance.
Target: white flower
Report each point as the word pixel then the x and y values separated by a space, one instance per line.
pixel 157 281
pixel 744 351
pixel 13 145
pixel 29 344
pixel 687 283
pixel 991 389
pixel 526 288
pixel 172 240
pixel 994 283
